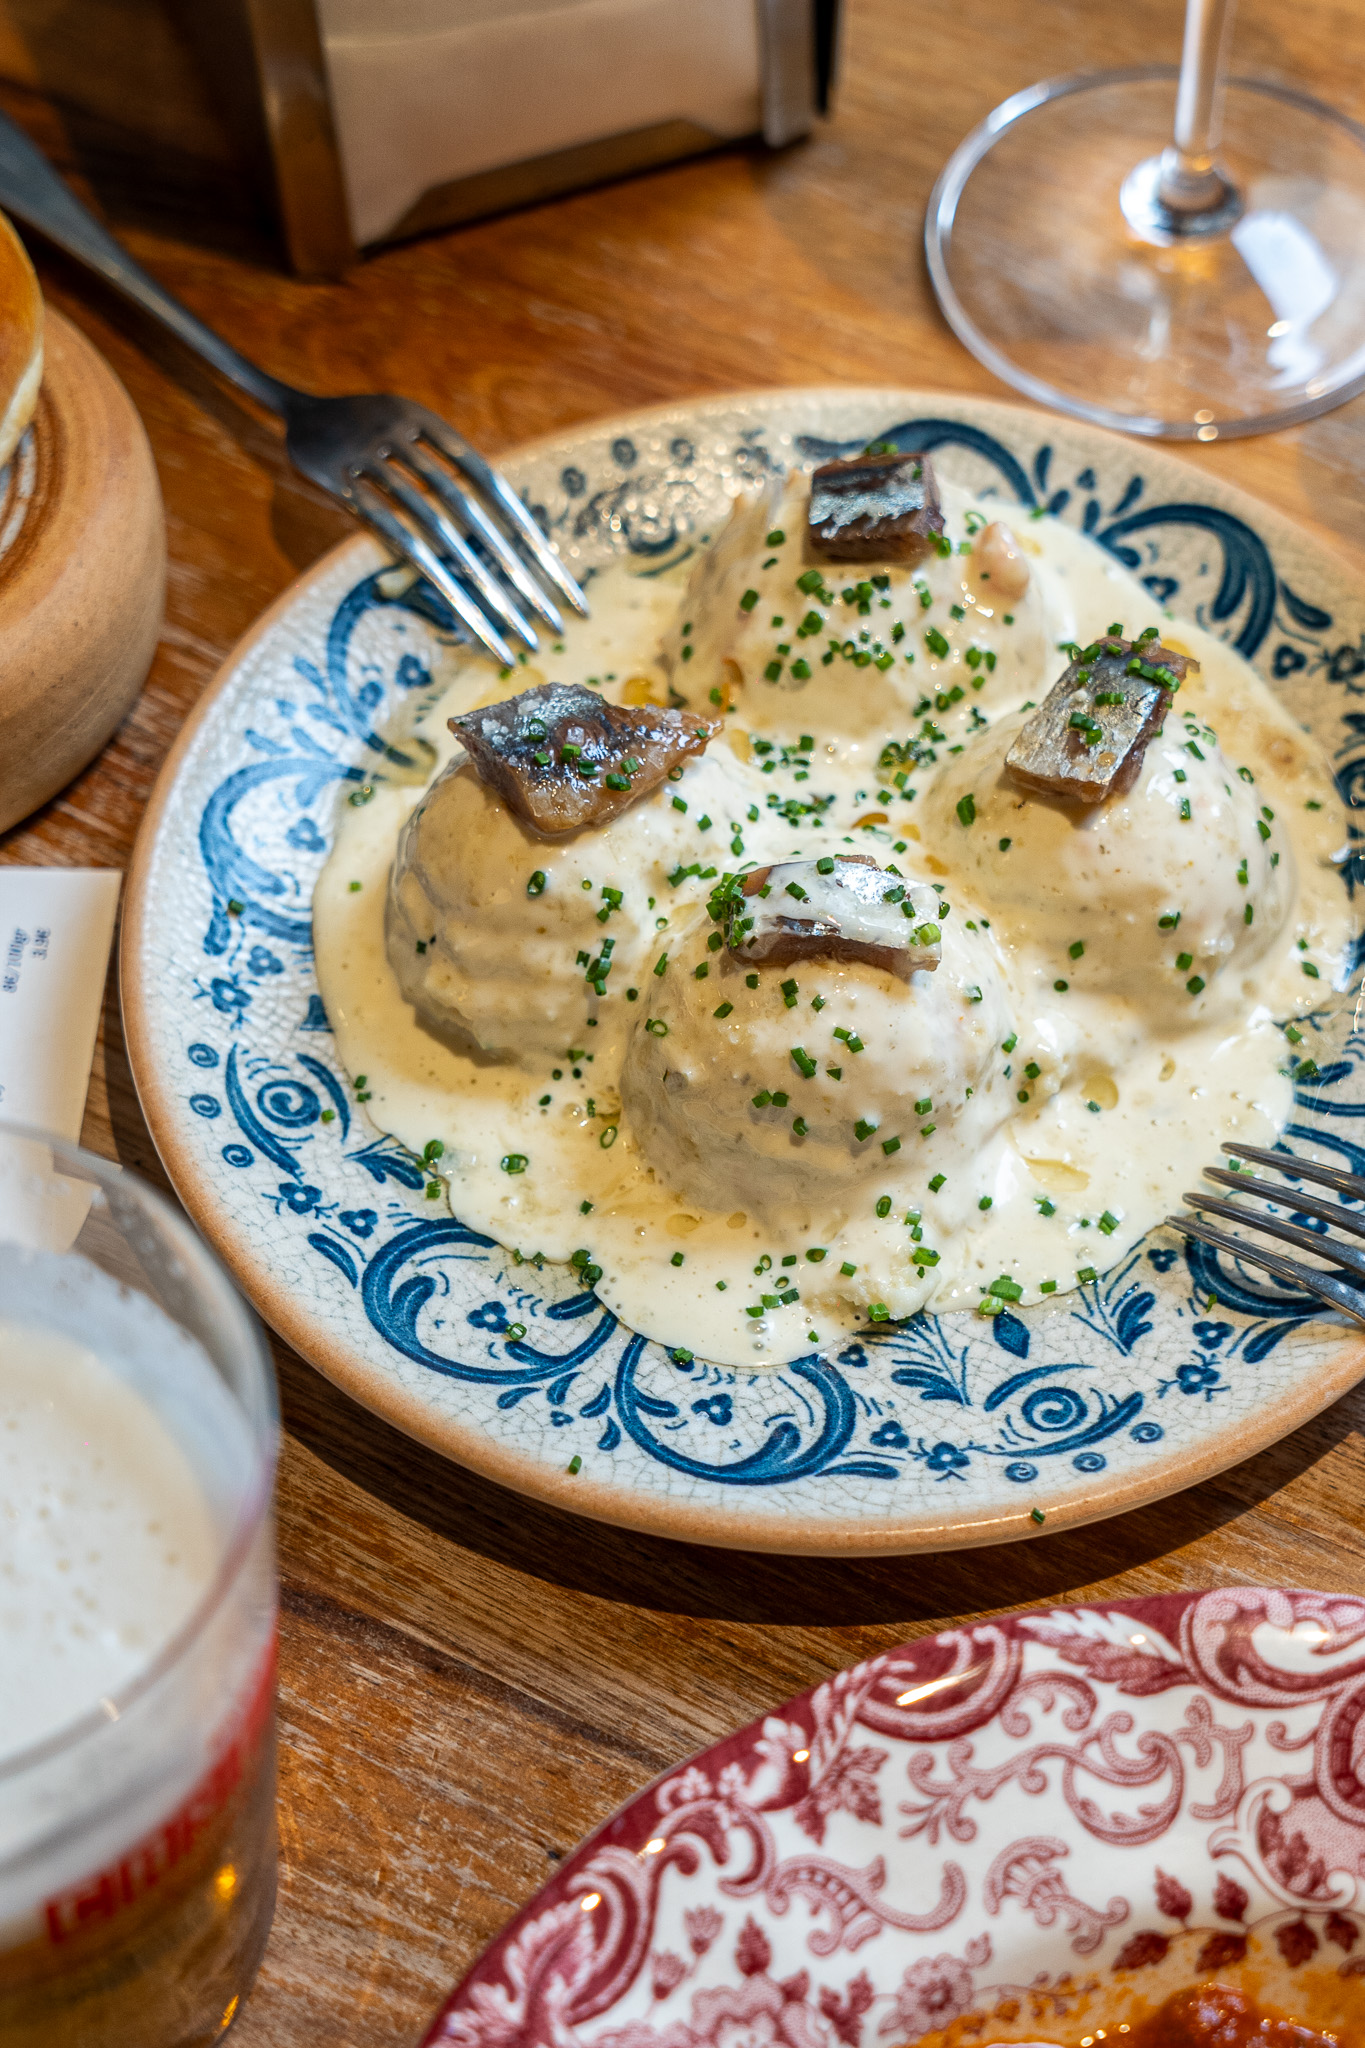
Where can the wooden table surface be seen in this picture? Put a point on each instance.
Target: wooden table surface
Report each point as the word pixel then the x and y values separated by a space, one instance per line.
pixel 469 1682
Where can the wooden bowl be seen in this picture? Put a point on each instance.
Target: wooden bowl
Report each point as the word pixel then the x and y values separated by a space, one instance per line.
pixel 82 573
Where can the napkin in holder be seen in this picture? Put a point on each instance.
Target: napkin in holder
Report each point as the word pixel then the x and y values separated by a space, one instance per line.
pixel 385 118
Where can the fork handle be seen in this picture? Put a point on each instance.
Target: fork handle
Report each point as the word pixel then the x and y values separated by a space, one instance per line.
pixel 32 190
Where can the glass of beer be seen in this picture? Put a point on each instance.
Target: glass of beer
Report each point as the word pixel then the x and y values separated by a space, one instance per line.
pixel 138 1431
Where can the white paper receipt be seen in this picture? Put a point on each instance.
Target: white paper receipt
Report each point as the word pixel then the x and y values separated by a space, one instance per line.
pixel 56 928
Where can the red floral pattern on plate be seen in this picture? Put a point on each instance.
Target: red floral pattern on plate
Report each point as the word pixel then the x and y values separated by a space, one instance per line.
pixel 981 1813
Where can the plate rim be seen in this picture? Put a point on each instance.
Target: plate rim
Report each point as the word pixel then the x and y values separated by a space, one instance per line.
pixel 721 1524
pixel 1136 1606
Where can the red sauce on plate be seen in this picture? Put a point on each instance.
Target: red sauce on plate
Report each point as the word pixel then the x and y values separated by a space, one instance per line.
pixel 1214 2016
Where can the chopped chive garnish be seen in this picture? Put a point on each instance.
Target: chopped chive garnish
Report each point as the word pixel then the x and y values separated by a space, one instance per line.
pixel 514 1162
pixel 937 1182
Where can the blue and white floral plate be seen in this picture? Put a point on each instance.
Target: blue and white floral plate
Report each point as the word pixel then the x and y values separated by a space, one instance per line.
pixel 948 1431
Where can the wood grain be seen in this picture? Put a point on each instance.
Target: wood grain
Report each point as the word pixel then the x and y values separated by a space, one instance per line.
pixel 83 581
pixel 470 1683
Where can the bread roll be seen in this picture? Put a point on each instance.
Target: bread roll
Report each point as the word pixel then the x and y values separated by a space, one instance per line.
pixel 21 340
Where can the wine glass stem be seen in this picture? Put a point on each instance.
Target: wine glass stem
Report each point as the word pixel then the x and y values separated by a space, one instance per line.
pixel 1190 181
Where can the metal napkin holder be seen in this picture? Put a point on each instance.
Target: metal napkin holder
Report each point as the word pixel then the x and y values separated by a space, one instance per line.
pixel 271 62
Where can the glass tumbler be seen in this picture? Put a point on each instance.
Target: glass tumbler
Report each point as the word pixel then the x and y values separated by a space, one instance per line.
pixel 138 1436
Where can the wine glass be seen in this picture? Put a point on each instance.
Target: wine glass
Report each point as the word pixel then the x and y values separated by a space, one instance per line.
pixel 1174 254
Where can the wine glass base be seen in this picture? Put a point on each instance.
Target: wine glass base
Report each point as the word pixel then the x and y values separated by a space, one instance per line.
pixel 1151 217
pixel 1060 267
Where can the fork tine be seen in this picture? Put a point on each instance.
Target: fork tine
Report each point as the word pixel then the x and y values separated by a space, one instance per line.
pixel 1301 1169
pixel 1322 1284
pixel 432 523
pixel 457 449
pixel 468 508
pixel 1307 1205
pixel 414 549
pixel 1347 1255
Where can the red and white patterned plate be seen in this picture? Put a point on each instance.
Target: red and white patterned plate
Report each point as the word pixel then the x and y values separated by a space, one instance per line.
pixel 1032 1829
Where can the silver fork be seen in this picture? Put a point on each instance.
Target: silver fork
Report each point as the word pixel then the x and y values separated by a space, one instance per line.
pixel 1344 1257
pixel 419 485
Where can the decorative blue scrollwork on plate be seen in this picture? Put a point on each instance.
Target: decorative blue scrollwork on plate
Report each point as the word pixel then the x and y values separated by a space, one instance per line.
pixel 1116 1375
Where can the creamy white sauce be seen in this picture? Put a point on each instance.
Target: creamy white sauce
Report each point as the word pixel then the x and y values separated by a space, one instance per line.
pixel 696 1205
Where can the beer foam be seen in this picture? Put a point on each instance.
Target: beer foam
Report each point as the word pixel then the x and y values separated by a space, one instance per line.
pixel 107 1537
